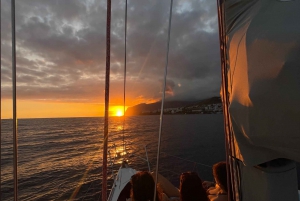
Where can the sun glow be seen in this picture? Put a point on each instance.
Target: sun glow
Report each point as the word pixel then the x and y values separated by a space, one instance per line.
pixel 117 111
pixel 57 109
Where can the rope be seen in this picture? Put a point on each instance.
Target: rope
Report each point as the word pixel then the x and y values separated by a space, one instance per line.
pixel 163 97
pixel 107 74
pixel 233 173
pixel 14 83
pixel 87 191
pixel 187 160
pixel 222 54
pixel 228 135
pixel 0 106
pixel 125 68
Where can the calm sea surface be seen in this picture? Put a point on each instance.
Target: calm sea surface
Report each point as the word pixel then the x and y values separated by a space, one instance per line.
pixel 61 159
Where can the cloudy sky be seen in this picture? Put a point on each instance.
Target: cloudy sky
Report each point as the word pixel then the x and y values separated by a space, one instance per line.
pixel 61 54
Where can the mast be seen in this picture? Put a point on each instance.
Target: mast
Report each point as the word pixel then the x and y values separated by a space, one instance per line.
pixel 14 76
pixel 125 69
pixel 107 74
pixel 15 145
pixel 0 101
pixel 229 142
pixel 163 98
pixel 224 92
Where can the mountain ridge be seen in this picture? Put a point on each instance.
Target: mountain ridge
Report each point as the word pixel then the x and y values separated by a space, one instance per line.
pixel 144 108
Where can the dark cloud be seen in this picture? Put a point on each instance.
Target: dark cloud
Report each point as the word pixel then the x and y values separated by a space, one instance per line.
pixel 169 90
pixel 61 49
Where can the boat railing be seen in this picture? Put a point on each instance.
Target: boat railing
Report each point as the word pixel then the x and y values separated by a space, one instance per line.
pixel 171 172
pixel 144 159
pixel 184 164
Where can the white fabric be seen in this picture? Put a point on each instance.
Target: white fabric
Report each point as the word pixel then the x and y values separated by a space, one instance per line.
pixel 269 184
pixel 263 46
pixel 123 177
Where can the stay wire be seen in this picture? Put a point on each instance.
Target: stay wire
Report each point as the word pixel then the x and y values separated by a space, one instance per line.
pixel 224 92
pixel 125 70
pixel 14 84
pixel 0 104
pixel 163 98
pixel 183 159
pixel 231 158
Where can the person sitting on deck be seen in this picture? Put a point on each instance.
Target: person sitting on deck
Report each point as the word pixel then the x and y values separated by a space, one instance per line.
pixel 142 187
pixel 191 188
pixel 217 191
pixel 167 191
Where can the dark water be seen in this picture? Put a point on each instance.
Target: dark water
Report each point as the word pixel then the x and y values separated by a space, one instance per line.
pixel 61 159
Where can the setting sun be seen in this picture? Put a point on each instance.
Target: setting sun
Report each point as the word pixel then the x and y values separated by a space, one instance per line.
pixel 117 110
pixel 119 113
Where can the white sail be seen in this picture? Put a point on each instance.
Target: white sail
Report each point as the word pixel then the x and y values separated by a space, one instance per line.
pixel 263 63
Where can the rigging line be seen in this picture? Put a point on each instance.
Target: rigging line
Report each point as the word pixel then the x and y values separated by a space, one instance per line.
pixel 229 130
pixel 14 76
pixel 195 165
pixel 107 74
pixel 125 69
pixel 83 178
pixel 222 39
pixel 163 98
pixel 187 160
pixel 167 170
pixel 231 138
pixel 87 192
pixel 233 163
pixel 148 55
pixel 0 104
pixel 235 61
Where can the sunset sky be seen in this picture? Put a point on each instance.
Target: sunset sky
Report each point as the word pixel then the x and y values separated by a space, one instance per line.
pixel 61 55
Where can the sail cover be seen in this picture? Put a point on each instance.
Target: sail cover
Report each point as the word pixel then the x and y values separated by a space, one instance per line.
pixel 263 73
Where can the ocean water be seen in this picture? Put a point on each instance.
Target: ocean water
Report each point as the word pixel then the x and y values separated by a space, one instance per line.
pixel 61 159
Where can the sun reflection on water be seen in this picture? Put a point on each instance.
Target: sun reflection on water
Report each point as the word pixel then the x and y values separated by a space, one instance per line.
pixel 119 128
pixel 71 150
